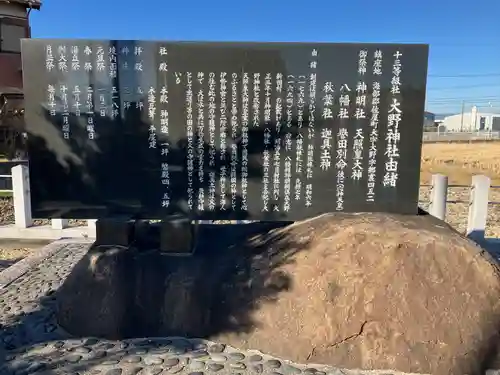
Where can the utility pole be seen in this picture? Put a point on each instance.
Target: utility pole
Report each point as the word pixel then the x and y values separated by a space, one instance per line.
pixel 462 117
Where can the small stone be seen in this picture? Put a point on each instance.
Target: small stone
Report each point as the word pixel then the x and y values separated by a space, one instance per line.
pixel 132 359
pixel 73 358
pixel 255 358
pixel 196 373
pixel 238 366
pixel 171 361
pixel 114 371
pixel 140 351
pixel 310 371
pixel 162 341
pixel 58 344
pixel 91 341
pixel 123 345
pixel 200 346
pixel 257 368
pixel 182 343
pixel 109 362
pixel 218 358
pixel 273 363
pixel 150 361
pixel 158 351
pixel 237 356
pixel 215 367
pixel 198 354
pixel 177 351
pixel 146 342
pixel 287 369
pixel 82 350
pixel 217 348
pixel 276 373
pixel 36 366
pixel 98 354
pixel 134 371
pixel 152 371
pixel 176 370
pixel 320 373
pixel 18 365
pixel 197 365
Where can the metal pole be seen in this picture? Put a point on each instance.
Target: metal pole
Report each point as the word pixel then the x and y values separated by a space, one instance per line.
pixel 462 117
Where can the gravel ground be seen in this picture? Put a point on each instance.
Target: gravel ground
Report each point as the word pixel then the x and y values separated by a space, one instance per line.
pixel 11 251
pixel 7 215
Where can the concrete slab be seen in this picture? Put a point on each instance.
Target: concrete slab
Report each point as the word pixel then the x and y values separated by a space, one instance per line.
pixel 45 232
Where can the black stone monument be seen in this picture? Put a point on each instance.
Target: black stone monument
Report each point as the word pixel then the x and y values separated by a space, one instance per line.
pixel 226 131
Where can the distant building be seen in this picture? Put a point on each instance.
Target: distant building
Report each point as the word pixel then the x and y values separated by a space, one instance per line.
pixel 472 121
pixel 429 119
pixel 14 25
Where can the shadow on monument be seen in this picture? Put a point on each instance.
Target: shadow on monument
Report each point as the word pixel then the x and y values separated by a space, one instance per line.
pixel 120 293
pixel 88 170
pixel 121 153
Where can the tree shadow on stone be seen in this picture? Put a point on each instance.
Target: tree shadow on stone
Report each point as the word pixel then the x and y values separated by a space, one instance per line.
pixel 119 294
pixel 90 171
pixel 122 293
pixel 7 263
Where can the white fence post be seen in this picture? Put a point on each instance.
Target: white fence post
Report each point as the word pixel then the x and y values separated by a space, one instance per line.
pixel 439 195
pixel 91 227
pixel 478 207
pixel 59 223
pixel 21 195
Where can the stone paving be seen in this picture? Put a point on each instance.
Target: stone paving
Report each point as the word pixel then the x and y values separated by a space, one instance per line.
pixel 32 343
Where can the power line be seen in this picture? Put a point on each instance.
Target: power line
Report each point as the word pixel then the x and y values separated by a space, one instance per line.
pixel 465 75
pixel 462 87
pixel 460 104
pixel 446 44
pixel 469 102
pixel 466 98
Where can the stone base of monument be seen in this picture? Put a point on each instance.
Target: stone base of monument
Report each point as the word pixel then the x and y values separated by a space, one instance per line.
pixel 174 235
pixel 369 291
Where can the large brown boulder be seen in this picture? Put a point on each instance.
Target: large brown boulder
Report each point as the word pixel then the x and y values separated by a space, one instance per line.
pixel 378 291
pixel 371 291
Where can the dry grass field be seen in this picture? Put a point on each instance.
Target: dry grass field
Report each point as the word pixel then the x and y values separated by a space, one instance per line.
pixel 460 161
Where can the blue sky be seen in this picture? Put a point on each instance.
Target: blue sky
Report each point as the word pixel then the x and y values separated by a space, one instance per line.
pixel 464 63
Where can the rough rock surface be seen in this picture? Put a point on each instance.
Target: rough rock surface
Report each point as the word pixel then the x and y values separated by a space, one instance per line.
pixel 371 291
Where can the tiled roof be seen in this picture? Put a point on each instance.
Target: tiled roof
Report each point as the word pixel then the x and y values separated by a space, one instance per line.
pixel 35 4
